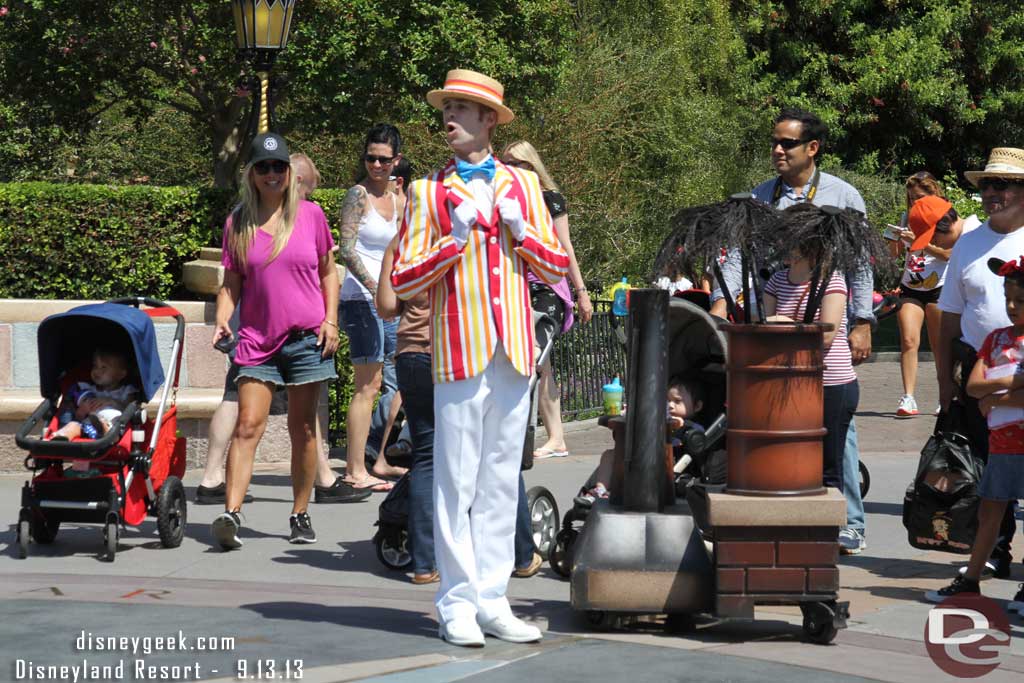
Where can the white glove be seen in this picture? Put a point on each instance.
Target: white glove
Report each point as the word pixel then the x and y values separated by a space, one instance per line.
pixel 512 216
pixel 463 219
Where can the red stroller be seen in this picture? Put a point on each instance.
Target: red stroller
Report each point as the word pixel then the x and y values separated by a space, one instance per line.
pixel 135 468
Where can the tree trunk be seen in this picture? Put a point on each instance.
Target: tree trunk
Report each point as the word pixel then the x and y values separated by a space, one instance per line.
pixel 228 141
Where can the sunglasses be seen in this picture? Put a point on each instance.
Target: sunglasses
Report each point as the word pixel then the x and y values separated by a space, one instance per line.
pixel 787 143
pixel 997 184
pixel 265 167
pixel 517 163
pixel 373 159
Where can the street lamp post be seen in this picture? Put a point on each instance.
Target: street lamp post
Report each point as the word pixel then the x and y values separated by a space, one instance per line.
pixel 261 28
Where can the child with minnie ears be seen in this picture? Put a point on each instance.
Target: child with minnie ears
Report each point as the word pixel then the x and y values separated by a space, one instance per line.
pixel 997 381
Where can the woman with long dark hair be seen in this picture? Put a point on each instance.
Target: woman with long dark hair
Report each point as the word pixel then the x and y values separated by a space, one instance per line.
pixel 369 221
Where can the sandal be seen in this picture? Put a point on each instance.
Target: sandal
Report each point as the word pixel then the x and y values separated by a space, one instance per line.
pixel 372 483
pixel 423 579
pixel 544 453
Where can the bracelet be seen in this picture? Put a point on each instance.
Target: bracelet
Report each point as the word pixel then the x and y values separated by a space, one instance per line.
pixel 581 289
pixel 334 325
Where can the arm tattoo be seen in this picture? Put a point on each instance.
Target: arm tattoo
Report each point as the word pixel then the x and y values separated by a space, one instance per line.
pixel 352 211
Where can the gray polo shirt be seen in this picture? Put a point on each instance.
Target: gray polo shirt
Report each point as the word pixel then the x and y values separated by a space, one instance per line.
pixel 832 191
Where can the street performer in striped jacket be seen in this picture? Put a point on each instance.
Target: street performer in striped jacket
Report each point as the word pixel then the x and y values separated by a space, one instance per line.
pixel 471 230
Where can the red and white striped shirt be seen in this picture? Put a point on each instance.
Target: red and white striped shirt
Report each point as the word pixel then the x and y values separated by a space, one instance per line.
pixel 479 296
pixel 792 302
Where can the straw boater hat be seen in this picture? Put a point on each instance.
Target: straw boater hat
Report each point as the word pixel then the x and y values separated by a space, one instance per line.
pixel 1003 162
pixel 463 84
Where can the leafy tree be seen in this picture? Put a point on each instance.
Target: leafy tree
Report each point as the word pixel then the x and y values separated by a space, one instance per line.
pixel 65 62
pixel 904 84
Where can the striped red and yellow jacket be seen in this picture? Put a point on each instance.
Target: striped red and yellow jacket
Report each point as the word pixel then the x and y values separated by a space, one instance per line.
pixel 479 294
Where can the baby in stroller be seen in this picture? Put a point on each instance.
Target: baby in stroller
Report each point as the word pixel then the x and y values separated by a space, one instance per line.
pixel 685 401
pixel 89 408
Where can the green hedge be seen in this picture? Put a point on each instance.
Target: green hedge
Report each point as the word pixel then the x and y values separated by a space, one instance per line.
pixel 69 241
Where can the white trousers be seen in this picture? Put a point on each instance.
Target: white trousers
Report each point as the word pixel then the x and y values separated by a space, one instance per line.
pixel 479 426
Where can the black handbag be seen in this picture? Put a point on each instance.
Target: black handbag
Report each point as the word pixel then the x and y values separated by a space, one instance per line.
pixel 940 507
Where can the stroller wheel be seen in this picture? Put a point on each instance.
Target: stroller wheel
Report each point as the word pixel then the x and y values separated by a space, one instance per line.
pixel 543 518
pixel 43 530
pixel 23 537
pixel 110 536
pixel 560 556
pixel 171 512
pixel 393 549
pixel 865 479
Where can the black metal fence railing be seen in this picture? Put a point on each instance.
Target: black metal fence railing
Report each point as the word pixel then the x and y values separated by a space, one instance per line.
pixel 586 358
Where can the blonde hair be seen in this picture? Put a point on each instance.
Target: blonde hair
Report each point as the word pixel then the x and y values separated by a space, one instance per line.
pixel 245 218
pixel 300 157
pixel 524 151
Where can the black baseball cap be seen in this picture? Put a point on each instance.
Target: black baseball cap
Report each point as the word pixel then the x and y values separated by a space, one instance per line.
pixel 268 146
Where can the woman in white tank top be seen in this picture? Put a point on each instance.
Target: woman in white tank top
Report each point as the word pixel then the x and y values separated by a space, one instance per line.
pixel 369 220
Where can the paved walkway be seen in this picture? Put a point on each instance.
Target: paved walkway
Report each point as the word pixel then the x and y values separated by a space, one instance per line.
pixel 334 610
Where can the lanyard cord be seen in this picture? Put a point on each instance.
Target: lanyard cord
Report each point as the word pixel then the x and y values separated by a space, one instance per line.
pixel 777 191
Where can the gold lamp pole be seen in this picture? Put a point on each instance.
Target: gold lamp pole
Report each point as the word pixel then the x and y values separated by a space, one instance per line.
pixel 261 29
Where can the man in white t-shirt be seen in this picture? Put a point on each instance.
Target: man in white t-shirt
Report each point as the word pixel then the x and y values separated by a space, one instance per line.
pixel 972 302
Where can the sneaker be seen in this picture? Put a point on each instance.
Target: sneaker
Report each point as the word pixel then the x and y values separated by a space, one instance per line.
pixel 907 406
pixel 997 566
pixel 1017 604
pixel 961 585
pixel 851 542
pixel 302 529
pixel 586 498
pixel 215 495
pixel 225 530
pixel 340 492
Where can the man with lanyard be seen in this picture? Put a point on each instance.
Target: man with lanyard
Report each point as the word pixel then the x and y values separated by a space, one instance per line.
pixel 470 232
pixel 796 142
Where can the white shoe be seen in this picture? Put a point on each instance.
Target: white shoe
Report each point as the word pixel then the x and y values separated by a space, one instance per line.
pixel 461 632
pixel 512 629
pixel 907 406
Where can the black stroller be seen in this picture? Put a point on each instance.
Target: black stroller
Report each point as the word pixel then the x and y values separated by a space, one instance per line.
pixel 392 537
pixel 696 350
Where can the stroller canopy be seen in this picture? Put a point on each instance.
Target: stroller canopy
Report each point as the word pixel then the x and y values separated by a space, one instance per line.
pixel 67 340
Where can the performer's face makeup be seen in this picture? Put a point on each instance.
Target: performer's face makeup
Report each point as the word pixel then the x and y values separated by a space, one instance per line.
pixel 467 125
pixel 799 156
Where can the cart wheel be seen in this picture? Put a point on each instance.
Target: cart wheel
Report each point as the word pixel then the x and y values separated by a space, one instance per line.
pixel 865 479
pixel 392 554
pixel 110 535
pixel 43 530
pixel 602 621
pixel 819 624
pixel 679 623
pixel 560 555
pixel 171 512
pixel 23 537
pixel 543 518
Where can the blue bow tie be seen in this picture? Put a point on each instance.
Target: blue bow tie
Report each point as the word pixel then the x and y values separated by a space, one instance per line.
pixel 466 169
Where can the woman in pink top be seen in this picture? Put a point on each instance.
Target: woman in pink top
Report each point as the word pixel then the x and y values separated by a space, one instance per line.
pixel 277 259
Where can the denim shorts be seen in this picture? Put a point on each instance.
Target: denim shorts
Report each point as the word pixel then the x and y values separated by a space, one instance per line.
pixel 370 339
pixel 1003 478
pixel 299 361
